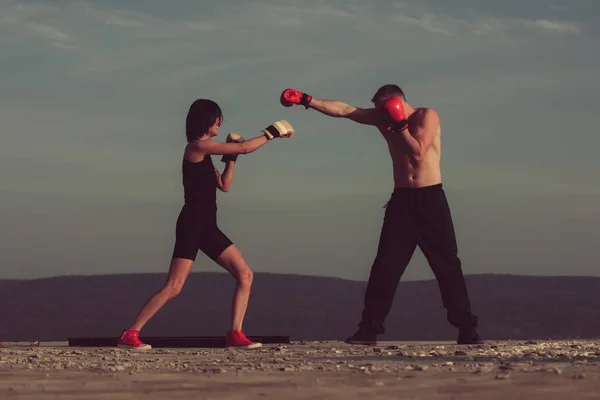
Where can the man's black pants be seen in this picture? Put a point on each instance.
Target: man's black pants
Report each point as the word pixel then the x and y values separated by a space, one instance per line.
pixel 422 217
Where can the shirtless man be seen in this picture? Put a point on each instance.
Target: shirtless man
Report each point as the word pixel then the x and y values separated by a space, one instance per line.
pixel 416 215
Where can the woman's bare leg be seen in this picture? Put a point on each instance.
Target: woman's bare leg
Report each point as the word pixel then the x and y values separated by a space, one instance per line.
pixel 231 260
pixel 178 272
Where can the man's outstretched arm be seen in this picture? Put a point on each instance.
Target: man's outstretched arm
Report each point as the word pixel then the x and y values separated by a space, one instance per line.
pixel 339 109
pixel 331 108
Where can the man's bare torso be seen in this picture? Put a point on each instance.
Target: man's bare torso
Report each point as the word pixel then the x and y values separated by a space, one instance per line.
pixel 408 173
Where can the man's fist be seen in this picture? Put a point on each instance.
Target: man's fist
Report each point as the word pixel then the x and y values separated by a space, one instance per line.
pixel 277 129
pixel 232 138
pixel 395 110
pixel 289 97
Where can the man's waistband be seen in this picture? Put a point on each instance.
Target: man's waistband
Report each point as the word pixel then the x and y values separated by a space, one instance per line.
pixel 422 189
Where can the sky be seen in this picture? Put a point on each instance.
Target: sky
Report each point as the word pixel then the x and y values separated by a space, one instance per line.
pixel 93 98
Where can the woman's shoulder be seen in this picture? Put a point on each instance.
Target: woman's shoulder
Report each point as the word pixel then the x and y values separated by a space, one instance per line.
pixel 195 151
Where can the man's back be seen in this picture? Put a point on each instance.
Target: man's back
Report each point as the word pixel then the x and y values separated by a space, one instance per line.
pixel 410 172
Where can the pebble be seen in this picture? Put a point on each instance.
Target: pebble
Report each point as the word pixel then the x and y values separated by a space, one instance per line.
pixel 574 358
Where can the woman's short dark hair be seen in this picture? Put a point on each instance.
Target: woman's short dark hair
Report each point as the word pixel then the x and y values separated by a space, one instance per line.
pixel 202 115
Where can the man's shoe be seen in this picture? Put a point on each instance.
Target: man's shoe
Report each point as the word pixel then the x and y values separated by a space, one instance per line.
pixel 362 337
pixel 237 339
pixel 469 336
pixel 129 340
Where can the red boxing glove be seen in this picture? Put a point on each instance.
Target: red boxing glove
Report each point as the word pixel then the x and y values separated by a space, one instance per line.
pixel 395 110
pixel 289 97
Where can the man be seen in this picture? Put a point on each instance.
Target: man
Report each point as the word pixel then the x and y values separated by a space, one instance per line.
pixel 416 215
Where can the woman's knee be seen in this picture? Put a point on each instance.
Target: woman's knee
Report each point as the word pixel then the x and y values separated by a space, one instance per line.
pixel 172 288
pixel 245 277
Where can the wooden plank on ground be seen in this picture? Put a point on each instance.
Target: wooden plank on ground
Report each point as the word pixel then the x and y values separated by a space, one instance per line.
pixel 173 341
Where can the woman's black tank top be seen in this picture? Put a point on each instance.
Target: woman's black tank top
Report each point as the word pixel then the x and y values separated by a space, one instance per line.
pixel 200 184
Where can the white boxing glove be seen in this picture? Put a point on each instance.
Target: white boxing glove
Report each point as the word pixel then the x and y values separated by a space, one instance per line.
pixel 279 129
pixel 232 137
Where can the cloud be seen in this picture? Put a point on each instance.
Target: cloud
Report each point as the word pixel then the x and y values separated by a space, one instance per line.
pixel 199 25
pixel 258 27
pixel 53 35
pixel 18 11
pixel 20 21
pixel 554 26
pixel 167 53
pixel 122 22
pixel 517 25
pixel 440 20
pixel 147 50
pixel 429 23
pixel 477 87
pixel 446 25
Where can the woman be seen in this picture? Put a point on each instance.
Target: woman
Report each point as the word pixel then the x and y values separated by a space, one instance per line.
pixel 197 228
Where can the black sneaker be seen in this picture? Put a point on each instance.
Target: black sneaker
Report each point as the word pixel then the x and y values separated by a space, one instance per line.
pixel 363 337
pixel 469 336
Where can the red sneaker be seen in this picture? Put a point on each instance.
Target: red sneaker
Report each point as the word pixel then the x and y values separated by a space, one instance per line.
pixel 129 339
pixel 239 340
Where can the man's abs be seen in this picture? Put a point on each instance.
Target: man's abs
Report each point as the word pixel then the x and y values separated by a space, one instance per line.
pixel 408 173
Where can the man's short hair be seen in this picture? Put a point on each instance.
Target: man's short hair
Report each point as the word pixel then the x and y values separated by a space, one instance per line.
pixel 387 91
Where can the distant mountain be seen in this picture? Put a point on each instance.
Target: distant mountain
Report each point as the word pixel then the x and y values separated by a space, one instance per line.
pixel 303 307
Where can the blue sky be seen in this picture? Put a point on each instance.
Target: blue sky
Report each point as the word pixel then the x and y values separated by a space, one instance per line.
pixel 93 97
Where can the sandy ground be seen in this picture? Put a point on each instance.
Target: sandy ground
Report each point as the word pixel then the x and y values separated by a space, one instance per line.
pixel 302 370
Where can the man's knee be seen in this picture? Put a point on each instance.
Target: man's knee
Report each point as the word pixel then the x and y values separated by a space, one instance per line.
pixel 444 262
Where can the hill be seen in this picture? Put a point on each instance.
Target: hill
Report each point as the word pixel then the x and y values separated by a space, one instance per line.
pixel 303 307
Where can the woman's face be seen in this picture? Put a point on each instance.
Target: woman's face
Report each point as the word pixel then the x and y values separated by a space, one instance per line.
pixel 214 129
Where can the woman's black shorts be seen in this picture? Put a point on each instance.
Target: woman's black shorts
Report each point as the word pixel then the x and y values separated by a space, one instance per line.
pixel 196 230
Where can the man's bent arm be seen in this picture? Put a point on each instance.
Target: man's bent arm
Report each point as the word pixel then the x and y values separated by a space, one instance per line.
pixel 339 109
pixel 421 139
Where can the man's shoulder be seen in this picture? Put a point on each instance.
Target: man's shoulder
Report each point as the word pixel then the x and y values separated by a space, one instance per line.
pixel 426 114
pixel 426 111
